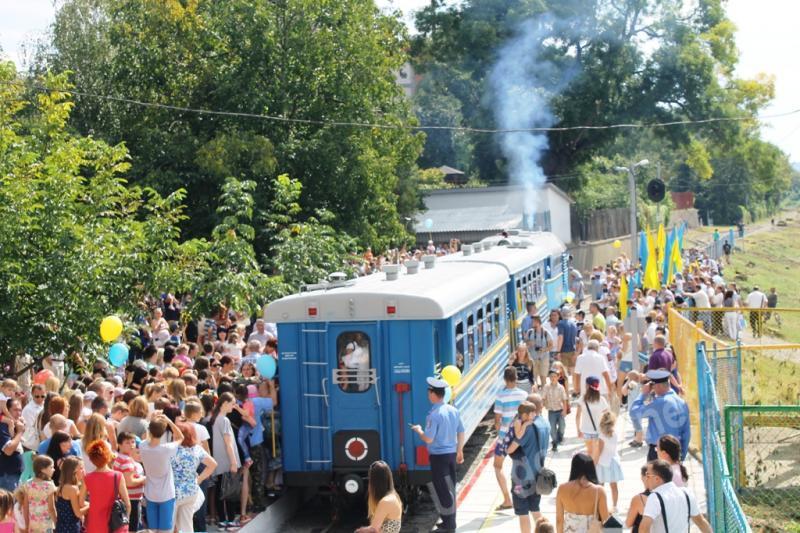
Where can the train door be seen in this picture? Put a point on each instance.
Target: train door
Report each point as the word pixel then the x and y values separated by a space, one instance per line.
pixel 355 354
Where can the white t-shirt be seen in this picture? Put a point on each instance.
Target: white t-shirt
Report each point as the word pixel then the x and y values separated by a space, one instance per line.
pixel 160 484
pixel 591 363
pixel 756 299
pixel 609 448
pixel 597 409
pixel 201 432
pixel 675 507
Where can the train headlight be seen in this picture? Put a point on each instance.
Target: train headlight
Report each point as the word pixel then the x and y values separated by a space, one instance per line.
pixel 351 486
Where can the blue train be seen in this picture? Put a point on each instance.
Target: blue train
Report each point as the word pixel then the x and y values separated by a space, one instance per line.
pixel 354 354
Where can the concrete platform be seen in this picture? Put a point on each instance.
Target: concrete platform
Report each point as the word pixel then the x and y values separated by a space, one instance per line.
pixel 480 496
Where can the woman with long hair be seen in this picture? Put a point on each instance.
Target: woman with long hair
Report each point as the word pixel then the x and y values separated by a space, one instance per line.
pixel 44 416
pixel 580 500
pixel 95 431
pixel 60 448
pixel 587 418
pixel 225 453
pixel 669 449
pixel 102 486
pixel 75 411
pixel 384 508
pixel 69 507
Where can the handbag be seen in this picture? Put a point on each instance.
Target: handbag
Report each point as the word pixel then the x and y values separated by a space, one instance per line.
pixel 231 486
pixel 118 521
pixel 545 478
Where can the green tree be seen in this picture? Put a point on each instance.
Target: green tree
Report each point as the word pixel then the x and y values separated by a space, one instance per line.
pixel 295 59
pixel 77 243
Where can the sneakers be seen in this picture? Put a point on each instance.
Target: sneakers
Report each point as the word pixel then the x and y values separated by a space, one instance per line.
pixel 635 444
pixel 555 447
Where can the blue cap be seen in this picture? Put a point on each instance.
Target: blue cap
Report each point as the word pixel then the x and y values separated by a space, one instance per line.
pixel 437 383
pixel 658 376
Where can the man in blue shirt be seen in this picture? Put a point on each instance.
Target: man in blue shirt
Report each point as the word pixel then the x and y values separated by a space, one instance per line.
pixel 565 344
pixel 527 322
pixel 667 413
pixel 533 444
pixel 444 435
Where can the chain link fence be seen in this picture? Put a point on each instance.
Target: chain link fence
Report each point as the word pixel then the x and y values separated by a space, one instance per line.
pixel 724 509
pixel 762 446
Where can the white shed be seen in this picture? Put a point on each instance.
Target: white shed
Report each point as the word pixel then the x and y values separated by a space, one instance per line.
pixel 470 214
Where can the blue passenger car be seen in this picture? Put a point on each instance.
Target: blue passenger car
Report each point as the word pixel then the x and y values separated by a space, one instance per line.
pixel 354 355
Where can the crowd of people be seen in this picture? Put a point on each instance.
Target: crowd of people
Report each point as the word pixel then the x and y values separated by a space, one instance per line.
pixel 184 437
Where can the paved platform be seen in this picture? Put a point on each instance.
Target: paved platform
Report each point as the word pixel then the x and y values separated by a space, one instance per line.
pixel 481 495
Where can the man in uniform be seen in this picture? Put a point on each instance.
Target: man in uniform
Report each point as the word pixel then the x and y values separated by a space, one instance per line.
pixel 667 413
pixel 444 435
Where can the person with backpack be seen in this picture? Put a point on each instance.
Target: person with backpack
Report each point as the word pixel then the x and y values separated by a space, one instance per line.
pixel 528 451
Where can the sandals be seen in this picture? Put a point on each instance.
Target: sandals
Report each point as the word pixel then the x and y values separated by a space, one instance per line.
pixel 502 507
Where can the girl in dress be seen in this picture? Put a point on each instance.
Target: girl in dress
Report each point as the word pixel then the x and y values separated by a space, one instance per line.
pixel 609 467
pixel 68 503
pixel 590 411
pixel 669 449
pixel 40 504
pixel 20 500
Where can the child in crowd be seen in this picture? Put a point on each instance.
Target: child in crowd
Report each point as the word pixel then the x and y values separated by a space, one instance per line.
pixel 69 506
pixel 127 463
pixel 20 501
pixel 6 512
pixel 543 525
pixel 669 449
pixel 159 488
pixel 630 391
pixel 557 404
pixel 40 504
pixel 609 467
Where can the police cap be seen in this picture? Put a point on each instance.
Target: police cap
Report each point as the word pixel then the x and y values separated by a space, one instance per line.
pixel 658 376
pixel 436 383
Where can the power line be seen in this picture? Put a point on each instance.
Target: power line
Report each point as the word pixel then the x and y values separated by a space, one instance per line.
pixel 351 124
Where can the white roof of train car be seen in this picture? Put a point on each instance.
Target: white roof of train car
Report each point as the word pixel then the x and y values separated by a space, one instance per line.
pixel 430 294
pixel 541 245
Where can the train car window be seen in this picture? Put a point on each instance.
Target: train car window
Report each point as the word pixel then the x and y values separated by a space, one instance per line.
pixel 460 345
pixel 481 331
pixel 353 349
pixel 471 338
pixel 490 333
pixel 497 318
pixel 519 295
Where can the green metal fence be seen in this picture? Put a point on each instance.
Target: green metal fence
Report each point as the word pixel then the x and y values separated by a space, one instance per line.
pixel 724 509
pixel 762 446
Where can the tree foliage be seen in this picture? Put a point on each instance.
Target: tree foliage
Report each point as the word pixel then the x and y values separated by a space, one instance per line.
pixel 642 61
pixel 295 59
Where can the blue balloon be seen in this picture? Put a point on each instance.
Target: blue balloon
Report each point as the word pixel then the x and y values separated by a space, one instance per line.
pixel 118 354
pixel 266 366
pixel 448 394
pixel 428 223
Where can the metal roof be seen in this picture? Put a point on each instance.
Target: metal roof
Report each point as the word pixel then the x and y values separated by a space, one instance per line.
pixel 491 217
pixel 430 294
pixel 541 246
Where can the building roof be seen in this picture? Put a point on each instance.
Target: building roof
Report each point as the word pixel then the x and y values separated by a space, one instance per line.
pixel 478 208
pixel 450 170
pixel 428 295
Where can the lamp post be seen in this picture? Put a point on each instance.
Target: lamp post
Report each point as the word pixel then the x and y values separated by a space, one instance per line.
pixel 632 191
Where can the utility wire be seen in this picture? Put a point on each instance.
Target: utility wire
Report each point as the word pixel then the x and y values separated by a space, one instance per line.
pixel 351 124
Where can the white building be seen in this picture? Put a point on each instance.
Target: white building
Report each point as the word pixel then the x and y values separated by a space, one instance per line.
pixel 469 214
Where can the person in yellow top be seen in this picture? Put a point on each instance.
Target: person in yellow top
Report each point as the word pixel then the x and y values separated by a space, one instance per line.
pixel 598 320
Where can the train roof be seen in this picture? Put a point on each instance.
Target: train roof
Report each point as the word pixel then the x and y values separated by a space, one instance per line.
pixel 431 294
pixel 509 253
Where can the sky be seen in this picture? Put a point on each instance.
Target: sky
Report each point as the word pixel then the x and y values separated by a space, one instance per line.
pixel 767 37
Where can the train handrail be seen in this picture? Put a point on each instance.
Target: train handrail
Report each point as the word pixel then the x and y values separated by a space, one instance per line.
pixel 353 376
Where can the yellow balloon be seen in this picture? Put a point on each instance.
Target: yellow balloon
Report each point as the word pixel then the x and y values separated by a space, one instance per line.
pixel 617 244
pixel 110 328
pixel 452 375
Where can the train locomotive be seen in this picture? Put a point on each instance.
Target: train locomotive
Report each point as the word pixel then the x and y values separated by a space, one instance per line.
pixel 354 354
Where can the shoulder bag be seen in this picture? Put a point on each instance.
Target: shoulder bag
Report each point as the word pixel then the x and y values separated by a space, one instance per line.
pixel 545 478
pixel 664 510
pixel 591 418
pixel 595 524
pixel 118 521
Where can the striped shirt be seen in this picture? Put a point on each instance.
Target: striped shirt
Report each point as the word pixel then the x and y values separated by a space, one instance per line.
pixel 506 405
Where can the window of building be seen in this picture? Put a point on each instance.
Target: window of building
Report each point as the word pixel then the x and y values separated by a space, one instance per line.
pixel 353 349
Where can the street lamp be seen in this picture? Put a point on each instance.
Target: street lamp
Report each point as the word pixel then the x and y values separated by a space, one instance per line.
pixel 632 191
